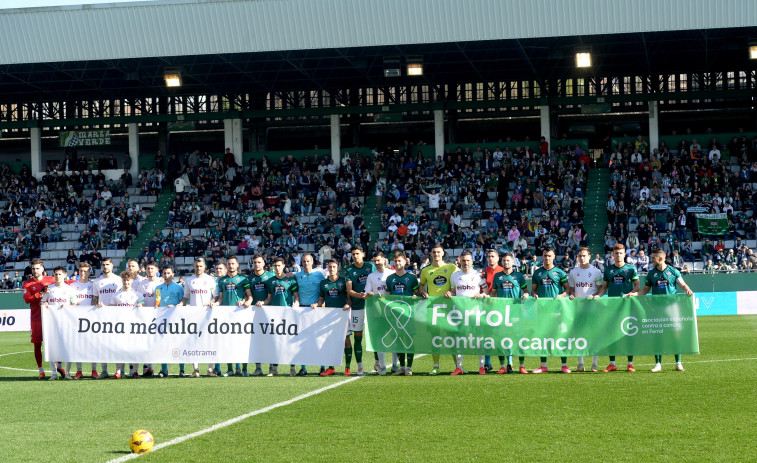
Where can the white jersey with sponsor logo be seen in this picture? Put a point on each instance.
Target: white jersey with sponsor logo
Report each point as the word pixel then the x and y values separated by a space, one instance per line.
pixel 83 292
pixel 199 291
pixel 105 288
pixel 147 289
pixel 586 281
pixel 467 284
pixel 125 298
pixel 376 282
pixel 58 296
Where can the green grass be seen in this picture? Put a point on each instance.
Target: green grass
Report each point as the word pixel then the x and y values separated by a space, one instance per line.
pixel 708 412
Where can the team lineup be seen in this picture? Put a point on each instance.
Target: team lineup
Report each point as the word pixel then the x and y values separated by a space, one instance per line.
pixel 312 287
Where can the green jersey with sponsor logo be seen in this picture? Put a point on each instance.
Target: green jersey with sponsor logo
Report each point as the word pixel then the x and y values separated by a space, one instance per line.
pixel 512 286
pixel 281 290
pixel 663 282
pixel 549 283
pixel 620 281
pixel 233 288
pixel 257 285
pixel 358 277
pixel 334 293
pixel 404 285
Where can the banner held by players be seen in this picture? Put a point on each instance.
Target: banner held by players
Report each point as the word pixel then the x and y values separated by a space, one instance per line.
pixel 195 334
pixel 533 327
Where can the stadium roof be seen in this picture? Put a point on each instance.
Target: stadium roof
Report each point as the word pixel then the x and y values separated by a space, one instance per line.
pixel 231 46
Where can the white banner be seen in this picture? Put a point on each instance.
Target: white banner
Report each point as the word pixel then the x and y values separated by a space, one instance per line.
pixel 195 334
pixel 16 320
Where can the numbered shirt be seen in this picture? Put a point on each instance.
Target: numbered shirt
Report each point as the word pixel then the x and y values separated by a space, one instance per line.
pixel 549 283
pixel 663 282
pixel 233 289
pixel 334 293
pixel 620 280
pixel 359 277
pixel 58 296
pixel 257 285
pixel 467 284
pixel 281 290
pixel 437 279
pixel 377 281
pixel 105 288
pixel 404 285
pixel 83 292
pixel 585 281
pixel 512 286
pixel 200 291
pixel 124 298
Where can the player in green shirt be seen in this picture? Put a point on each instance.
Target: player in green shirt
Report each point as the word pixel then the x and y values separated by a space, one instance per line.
pixel 511 284
pixel 259 291
pixel 549 281
pixel 282 292
pixel 662 280
pixel 620 280
pixel 234 290
pixel 333 293
pixel 402 283
pixel 435 281
pixel 356 276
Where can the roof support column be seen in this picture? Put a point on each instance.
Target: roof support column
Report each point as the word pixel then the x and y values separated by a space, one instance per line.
pixel 35 133
pixel 546 122
pixel 134 150
pixel 232 134
pixel 654 127
pixel 438 133
pixel 336 140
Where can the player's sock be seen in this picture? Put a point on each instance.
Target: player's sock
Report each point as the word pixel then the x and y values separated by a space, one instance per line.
pixel 630 359
pixel 395 359
pixel 487 360
pixel 104 367
pixel 304 368
pixel 78 366
pixel 502 360
pixel 678 358
pixel 482 360
pixel 181 368
pixel 594 361
pixel 509 359
pixel 347 356
pixel 564 360
pixel 612 360
pixel 38 354
pixel 402 360
pixel 218 367
pixel 357 346
pixel 376 357
pixel 410 358
pixel 41 370
pixel 229 367
pixel 458 361
pixel 435 358
pixel 543 361
pixel 381 359
pixel 657 358
pixel 580 361
pixel 244 367
pixel 53 367
pixel 258 366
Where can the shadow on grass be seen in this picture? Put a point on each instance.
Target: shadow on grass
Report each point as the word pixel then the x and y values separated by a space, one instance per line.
pixel 22 378
pixel 119 452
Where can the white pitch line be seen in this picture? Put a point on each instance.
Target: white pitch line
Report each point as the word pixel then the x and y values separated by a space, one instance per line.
pixel 17 369
pixel 706 361
pixel 239 418
pixel 14 353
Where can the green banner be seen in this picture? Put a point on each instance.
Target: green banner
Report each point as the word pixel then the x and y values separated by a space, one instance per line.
pixel 84 138
pixel 712 224
pixel 532 327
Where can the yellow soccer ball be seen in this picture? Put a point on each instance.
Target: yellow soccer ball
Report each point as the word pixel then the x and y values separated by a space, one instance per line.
pixel 141 441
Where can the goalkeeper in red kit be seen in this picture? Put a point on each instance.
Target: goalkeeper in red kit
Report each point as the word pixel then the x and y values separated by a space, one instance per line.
pixel 34 288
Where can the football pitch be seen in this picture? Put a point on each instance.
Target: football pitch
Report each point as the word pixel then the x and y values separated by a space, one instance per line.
pixel 708 412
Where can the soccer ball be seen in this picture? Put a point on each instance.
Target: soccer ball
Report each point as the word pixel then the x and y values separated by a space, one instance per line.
pixel 141 441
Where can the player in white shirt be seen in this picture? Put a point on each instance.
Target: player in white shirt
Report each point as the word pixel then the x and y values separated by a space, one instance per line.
pixel 199 291
pixel 125 297
pixel 376 285
pixel 585 281
pixel 103 289
pixel 83 295
pixel 58 294
pixel 467 282
pixel 145 287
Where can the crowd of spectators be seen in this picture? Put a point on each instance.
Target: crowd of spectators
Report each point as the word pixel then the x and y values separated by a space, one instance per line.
pixel 36 211
pixel 654 196
pixel 271 207
pixel 511 199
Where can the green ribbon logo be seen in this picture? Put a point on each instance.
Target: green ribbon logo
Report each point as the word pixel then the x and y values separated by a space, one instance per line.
pixel 398 314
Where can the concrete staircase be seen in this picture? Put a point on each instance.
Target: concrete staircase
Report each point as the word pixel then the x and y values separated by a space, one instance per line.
pixel 595 210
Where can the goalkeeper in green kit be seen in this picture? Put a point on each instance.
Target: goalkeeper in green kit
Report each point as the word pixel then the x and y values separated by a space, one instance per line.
pixel 662 280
